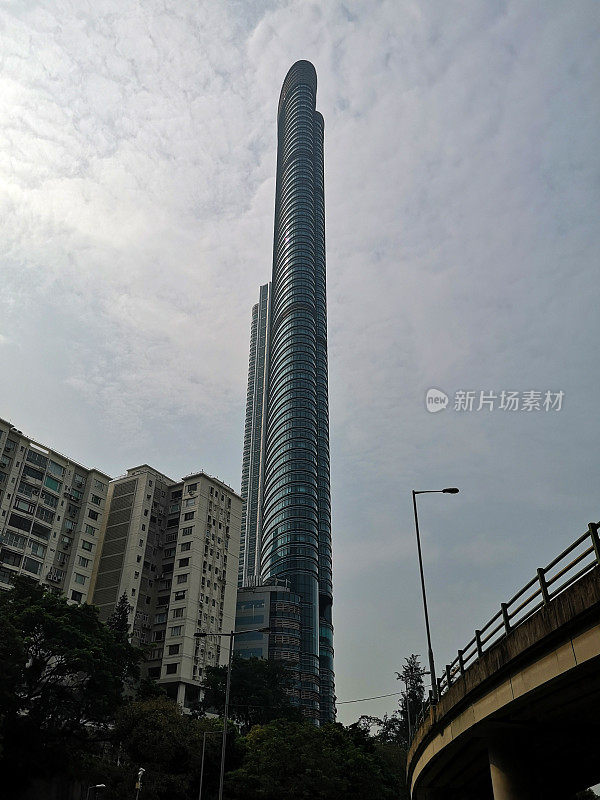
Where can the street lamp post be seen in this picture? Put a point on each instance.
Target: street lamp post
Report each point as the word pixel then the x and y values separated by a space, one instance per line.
pixel 138 784
pixel 232 635
pixel 204 735
pixel 97 786
pixel 434 688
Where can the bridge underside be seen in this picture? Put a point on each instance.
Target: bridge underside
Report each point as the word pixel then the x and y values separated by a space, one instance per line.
pixel 543 745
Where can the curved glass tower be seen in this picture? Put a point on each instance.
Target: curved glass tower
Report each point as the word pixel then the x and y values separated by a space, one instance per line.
pixel 289 534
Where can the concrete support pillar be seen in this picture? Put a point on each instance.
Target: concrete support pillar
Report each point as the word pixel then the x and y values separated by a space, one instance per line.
pixel 512 773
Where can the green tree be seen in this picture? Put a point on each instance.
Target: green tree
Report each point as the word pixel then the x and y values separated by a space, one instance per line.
pixel 62 674
pixel 389 739
pixel 257 695
pixel 412 700
pixel 297 761
pixel 155 734
pixel 118 621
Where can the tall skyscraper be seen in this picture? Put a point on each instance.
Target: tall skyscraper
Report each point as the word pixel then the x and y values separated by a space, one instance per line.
pixel 285 474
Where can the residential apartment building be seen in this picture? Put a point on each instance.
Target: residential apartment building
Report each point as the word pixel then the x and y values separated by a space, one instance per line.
pixel 51 513
pixel 172 548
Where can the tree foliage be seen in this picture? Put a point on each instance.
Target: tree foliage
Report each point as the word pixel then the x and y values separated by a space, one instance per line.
pixel 297 760
pixel 157 735
pixel 118 621
pixel 62 674
pixel 257 694
pixel 412 700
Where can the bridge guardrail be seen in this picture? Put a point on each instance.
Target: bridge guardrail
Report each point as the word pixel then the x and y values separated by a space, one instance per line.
pixel 550 581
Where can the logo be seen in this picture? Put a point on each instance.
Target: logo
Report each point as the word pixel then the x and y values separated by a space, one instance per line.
pixel 435 400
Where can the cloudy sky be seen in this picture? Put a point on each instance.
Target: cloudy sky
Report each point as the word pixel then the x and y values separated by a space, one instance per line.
pixel 137 170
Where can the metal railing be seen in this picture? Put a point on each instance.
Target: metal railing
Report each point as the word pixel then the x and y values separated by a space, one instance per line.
pixel 572 564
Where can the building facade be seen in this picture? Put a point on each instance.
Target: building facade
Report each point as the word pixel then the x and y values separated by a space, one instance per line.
pixel 254 439
pixel 172 548
pixel 285 472
pixel 277 608
pixel 51 513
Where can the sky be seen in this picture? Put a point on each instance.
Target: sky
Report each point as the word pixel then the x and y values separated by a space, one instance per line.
pixel 462 183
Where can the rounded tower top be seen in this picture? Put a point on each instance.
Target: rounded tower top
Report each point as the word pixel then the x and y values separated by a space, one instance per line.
pixel 298 73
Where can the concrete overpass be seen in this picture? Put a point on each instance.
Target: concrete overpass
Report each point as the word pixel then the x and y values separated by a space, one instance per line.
pixel 519 711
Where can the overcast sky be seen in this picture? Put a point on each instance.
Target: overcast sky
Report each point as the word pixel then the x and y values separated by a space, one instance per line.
pixel 137 168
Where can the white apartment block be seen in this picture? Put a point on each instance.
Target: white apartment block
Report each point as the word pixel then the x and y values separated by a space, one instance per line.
pixel 173 549
pixel 51 513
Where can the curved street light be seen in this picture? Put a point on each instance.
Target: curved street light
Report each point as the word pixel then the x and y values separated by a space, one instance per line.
pixel 232 635
pixel 97 786
pixel 451 490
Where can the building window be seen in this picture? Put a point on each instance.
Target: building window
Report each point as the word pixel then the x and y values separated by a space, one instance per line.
pixel 37 458
pixel 79 480
pixel 24 505
pixel 176 630
pixel 180 595
pixel 33 473
pixel 80 578
pixel 37 549
pixel 189 515
pixel 15 540
pixel 83 562
pixel 178 612
pixel 185 546
pixel 187 531
pixel 77 596
pixel 184 562
pixel 171 669
pixel 86 545
pixel 53 484
pixel 11 558
pixel 56 469
pixel 49 499
pixel 192 487
pixel 174 649
pixel 182 578
pixel 158 636
pixel 88 529
pixel 95 499
pixel 93 514
pixel 159 618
